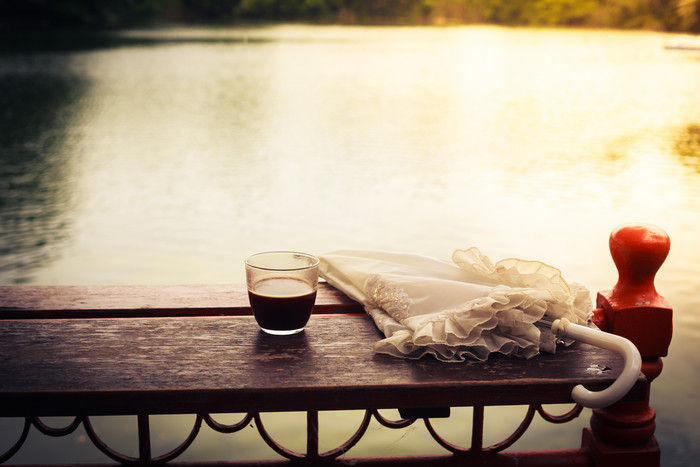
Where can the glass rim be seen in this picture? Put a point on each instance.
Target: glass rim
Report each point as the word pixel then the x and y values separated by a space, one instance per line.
pixel 314 260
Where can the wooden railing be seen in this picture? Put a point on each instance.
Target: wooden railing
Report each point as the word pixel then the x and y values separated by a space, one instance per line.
pixel 91 351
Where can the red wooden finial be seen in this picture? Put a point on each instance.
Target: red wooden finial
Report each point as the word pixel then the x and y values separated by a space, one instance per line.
pixel 633 308
pixel 638 250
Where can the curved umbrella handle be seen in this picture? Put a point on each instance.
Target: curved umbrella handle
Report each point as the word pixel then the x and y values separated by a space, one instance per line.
pixel 633 363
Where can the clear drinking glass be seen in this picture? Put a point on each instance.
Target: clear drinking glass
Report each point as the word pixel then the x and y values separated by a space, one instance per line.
pixel 282 289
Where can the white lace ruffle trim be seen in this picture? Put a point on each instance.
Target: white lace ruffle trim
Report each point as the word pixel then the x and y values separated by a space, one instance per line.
pixel 518 294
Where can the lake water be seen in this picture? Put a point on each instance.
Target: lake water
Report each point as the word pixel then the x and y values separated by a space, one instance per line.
pixel 166 157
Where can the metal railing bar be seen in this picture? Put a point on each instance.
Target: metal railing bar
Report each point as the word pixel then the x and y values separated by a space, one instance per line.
pixel 278 448
pixel 20 441
pixel 167 457
pixel 312 434
pixel 56 432
pixel 401 423
pixel 517 434
pixel 103 447
pixel 352 441
pixel 477 428
pixel 563 418
pixel 221 428
pixel 144 432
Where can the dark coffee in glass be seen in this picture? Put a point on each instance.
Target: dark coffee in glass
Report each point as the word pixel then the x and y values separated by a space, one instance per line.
pixel 282 290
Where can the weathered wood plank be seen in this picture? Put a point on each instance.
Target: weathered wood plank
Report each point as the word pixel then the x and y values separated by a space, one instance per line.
pixel 225 364
pixel 141 301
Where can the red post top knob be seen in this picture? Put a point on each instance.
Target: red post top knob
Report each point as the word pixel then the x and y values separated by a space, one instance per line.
pixel 633 308
pixel 638 251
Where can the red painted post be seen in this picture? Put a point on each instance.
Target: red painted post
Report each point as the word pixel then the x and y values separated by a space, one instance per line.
pixel 623 434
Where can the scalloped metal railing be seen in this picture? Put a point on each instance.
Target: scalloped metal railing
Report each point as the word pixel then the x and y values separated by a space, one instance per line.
pixel 312 435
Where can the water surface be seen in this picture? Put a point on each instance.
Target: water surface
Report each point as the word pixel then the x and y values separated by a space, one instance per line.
pixel 165 157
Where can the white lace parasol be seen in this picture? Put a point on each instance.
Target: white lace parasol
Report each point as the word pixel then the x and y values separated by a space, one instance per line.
pixel 469 308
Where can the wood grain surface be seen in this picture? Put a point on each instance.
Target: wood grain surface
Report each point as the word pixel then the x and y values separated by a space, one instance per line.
pixel 226 364
pixel 168 300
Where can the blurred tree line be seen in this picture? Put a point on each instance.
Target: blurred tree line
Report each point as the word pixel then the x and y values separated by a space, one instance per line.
pixel 669 15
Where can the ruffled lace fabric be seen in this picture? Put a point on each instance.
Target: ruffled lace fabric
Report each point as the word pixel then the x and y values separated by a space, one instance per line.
pixel 468 308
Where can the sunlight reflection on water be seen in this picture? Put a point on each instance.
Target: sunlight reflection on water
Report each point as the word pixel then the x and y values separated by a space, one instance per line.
pixel 159 162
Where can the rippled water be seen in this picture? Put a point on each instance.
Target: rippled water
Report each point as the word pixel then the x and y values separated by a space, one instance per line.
pixel 163 157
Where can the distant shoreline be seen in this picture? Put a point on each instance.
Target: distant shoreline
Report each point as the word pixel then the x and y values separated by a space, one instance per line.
pixel 672 16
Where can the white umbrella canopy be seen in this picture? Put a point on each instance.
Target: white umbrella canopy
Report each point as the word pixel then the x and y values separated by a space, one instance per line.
pixel 469 308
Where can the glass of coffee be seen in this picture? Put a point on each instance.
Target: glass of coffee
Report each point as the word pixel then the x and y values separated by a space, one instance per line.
pixel 282 289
